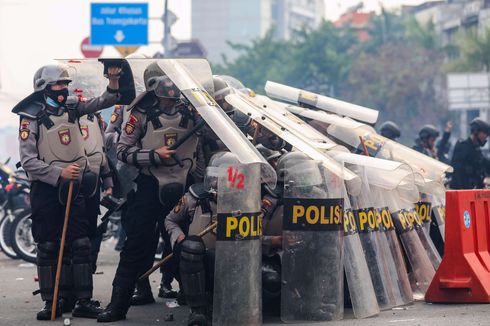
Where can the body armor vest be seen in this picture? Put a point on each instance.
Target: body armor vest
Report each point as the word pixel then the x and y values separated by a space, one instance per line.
pixel 62 144
pixel 202 220
pixel 93 140
pixel 165 130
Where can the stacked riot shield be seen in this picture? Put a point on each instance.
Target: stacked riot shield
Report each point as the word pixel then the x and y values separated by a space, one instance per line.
pixel 387 226
pixel 402 214
pixel 238 283
pixel 312 262
pixel 374 246
pixel 361 290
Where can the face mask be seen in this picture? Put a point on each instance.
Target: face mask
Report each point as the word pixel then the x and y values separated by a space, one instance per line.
pixel 482 142
pixel 56 98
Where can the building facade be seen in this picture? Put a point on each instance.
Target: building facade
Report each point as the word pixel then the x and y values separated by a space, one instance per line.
pixel 215 23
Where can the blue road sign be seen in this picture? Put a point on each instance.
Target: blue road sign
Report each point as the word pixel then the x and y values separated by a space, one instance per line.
pixel 120 24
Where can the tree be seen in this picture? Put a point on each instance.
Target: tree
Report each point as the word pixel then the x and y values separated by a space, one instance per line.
pixel 474 50
pixel 402 81
pixel 317 60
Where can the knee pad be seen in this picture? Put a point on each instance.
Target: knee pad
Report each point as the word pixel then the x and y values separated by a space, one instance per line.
pixel 82 269
pixel 271 280
pixel 46 268
pixel 192 273
pixel 81 250
pixel 193 250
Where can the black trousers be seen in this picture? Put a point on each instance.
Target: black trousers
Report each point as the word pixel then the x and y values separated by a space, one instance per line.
pixel 48 215
pixel 93 210
pixel 140 221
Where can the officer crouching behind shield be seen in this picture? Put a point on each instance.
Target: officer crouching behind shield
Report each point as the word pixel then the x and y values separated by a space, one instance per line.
pixel 52 153
pixel 157 120
pixel 195 212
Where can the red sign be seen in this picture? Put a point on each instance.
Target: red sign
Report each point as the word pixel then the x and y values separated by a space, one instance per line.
pixel 90 51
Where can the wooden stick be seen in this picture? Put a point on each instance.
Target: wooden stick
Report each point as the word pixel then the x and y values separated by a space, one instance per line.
pixel 60 253
pixel 162 262
pixel 364 146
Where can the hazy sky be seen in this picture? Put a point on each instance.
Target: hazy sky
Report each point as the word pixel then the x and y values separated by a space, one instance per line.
pixel 34 31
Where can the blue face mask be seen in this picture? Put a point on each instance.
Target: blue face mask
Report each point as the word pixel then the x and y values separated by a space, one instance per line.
pixel 52 103
pixel 56 98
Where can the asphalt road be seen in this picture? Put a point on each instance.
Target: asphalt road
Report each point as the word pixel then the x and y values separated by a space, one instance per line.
pixel 18 306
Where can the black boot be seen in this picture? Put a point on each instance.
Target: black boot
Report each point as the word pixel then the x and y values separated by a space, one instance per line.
pixel 118 307
pixel 142 295
pixel 197 317
pixel 86 308
pixel 45 313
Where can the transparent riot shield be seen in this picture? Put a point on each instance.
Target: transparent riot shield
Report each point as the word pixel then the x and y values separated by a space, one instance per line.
pixel 420 264
pixel 394 248
pixel 312 261
pixel 374 244
pixel 361 290
pixel 249 108
pixel 189 80
pixel 88 78
pixel 309 99
pixel 349 132
pixel 237 281
pixel 418 225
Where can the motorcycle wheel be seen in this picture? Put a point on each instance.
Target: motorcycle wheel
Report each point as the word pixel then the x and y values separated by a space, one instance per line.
pixel 5 238
pixel 22 241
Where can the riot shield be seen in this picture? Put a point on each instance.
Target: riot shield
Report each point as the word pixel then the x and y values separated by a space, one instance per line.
pixel 238 282
pixel 214 116
pixel 88 78
pixel 388 228
pixel 249 108
pixel 386 175
pixel 309 99
pixel 426 241
pixel 349 132
pixel 421 266
pixel 362 295
pixel 374 246
pixel 312 267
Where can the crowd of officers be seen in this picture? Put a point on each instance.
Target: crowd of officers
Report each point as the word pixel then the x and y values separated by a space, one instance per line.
pixel 63 140
pixel 469 164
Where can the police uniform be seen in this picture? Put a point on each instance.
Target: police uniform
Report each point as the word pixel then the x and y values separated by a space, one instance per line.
pixel 91 127
pixel 469 165
pixel 195 211
pixel 51 139
pixel 160 184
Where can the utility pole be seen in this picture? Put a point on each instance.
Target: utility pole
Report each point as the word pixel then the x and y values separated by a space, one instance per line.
pixel 166 31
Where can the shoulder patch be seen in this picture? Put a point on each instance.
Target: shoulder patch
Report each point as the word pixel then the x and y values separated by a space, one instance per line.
pixel 179 205
pixel 24 130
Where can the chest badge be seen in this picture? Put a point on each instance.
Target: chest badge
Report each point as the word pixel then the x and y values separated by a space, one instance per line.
pixel 84 129
pixel 65 137
pixel 170 139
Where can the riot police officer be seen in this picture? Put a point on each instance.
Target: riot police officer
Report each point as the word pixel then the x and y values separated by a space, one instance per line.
pixel 157 120
pixel 426 141
pixel 52 152
pixel 390 130
pixel 468 162
pixel 197 210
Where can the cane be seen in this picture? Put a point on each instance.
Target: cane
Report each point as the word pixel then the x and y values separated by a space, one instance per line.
pixel 169 256
pixel 62 249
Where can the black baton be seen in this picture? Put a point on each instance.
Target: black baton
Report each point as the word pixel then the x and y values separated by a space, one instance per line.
pixel 179 142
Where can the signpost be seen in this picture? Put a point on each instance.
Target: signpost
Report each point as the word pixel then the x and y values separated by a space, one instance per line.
pixel 119 24
pixel 90 51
